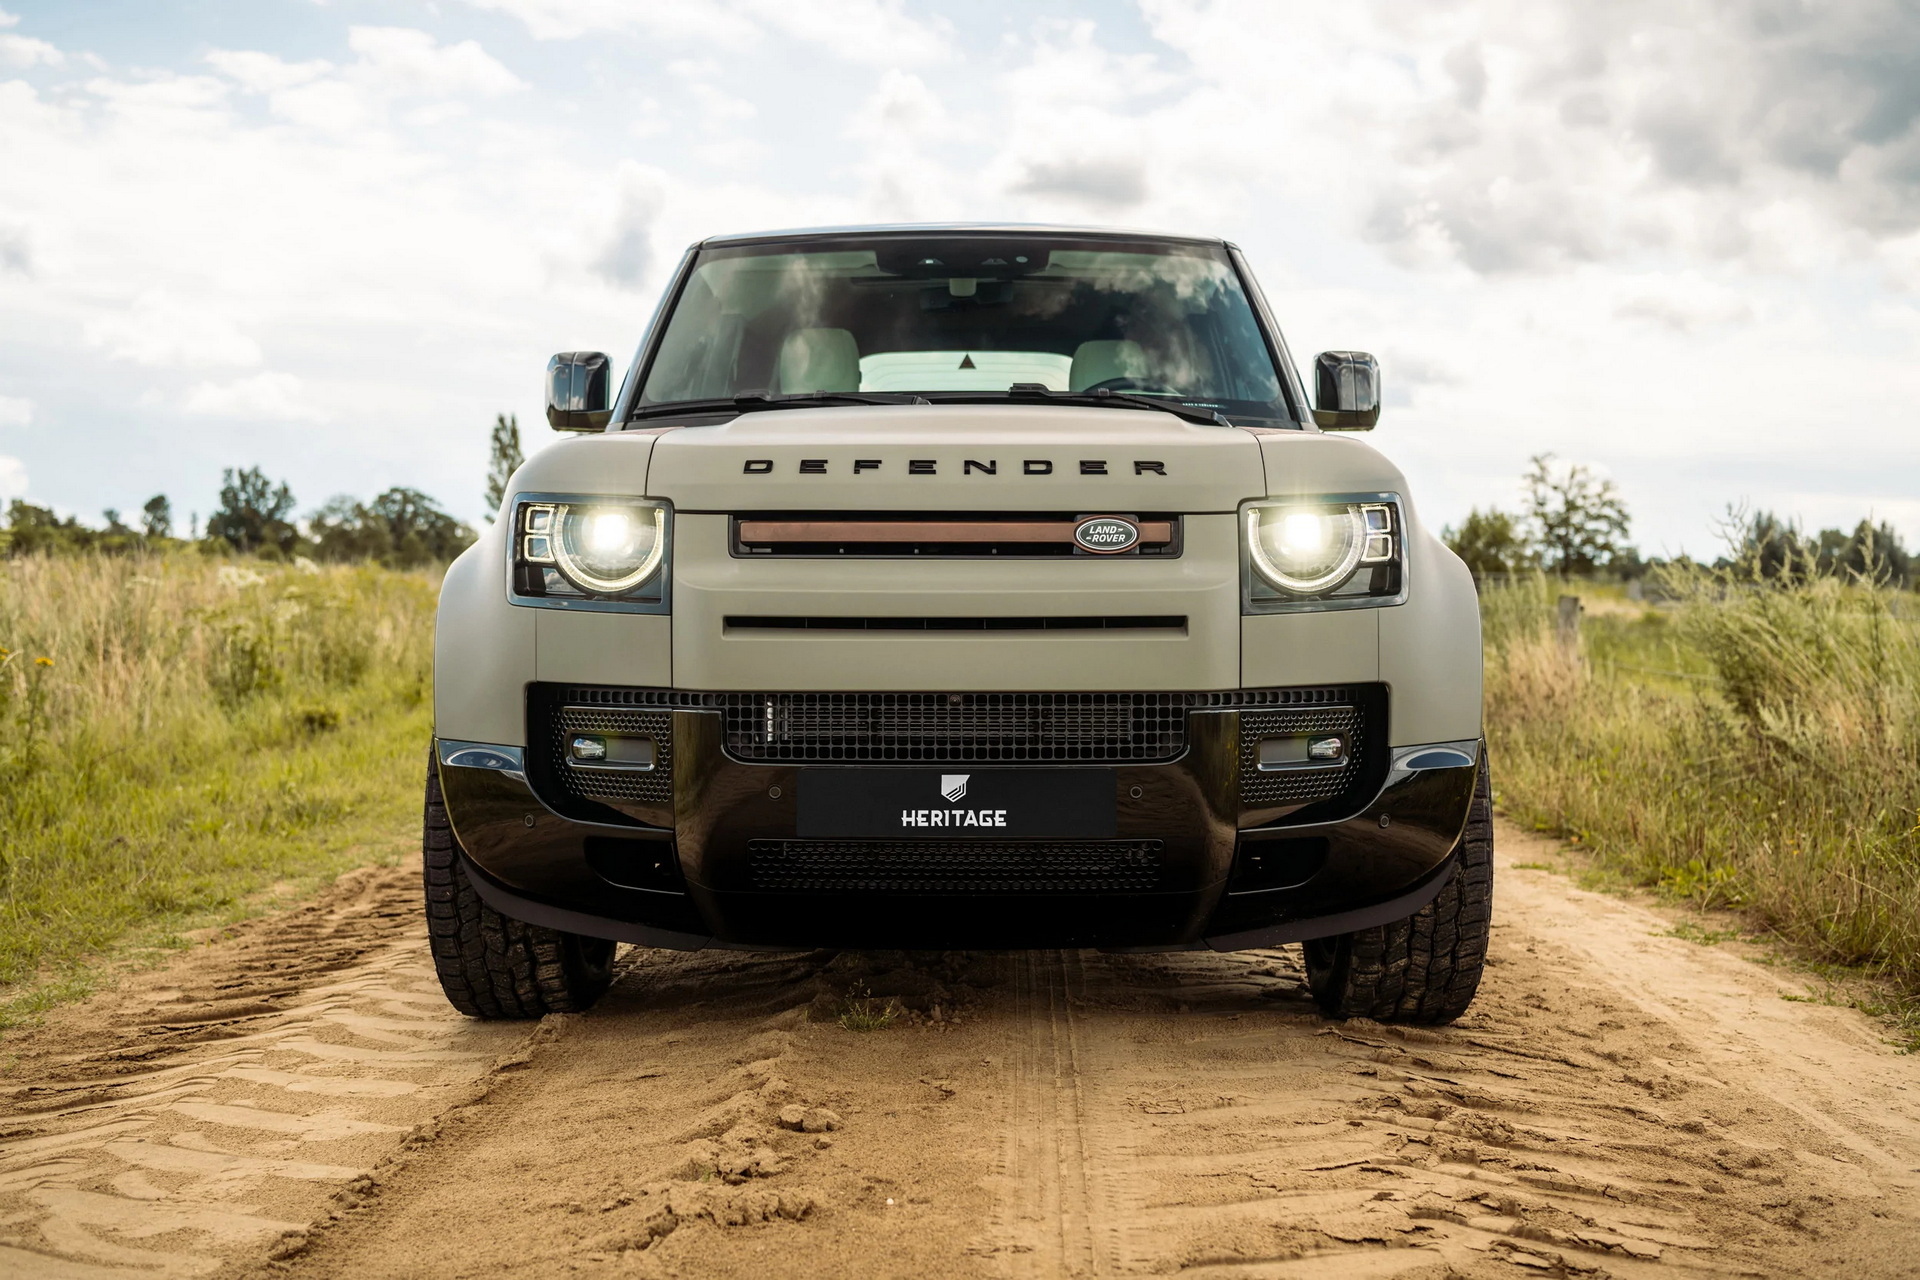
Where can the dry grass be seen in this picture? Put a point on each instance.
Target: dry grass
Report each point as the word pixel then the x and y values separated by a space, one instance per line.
pixel 1748 746
pixel 178 734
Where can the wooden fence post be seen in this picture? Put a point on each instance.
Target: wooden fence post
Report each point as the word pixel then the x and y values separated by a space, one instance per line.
pixel 1567 626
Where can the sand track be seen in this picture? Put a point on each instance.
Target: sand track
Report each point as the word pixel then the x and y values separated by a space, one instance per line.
pixel 297 1099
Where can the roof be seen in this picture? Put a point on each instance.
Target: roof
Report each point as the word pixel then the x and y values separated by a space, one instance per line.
pixel 949 228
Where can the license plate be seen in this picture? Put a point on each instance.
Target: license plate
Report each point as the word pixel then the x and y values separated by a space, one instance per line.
pixel 933 804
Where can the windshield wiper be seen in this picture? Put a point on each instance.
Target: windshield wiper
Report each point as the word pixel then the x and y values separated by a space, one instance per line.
pixel 1118 400
pixel 749 401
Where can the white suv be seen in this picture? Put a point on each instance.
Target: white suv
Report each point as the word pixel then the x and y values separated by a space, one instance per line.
pixel 964 587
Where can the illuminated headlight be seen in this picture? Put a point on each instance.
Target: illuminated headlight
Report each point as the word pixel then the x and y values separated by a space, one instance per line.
pixel 1346 551
pixel 608 549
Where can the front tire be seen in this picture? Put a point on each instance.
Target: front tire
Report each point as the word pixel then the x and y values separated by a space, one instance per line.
pixel 1425 968
pixel 490 965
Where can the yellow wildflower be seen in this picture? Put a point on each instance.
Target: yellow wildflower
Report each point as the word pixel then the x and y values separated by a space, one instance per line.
pixel 43 662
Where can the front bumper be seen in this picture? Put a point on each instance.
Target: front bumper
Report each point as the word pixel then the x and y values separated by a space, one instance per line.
pixel 687 868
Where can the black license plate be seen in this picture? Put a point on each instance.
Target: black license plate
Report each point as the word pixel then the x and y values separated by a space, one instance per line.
pixel 961 804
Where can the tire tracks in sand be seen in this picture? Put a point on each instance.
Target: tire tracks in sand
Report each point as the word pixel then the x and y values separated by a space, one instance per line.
pixel 214 1109
pixel 1619 1102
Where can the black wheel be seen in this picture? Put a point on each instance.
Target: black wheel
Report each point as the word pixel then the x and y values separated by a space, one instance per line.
pixel 1426 967
pixel 492 966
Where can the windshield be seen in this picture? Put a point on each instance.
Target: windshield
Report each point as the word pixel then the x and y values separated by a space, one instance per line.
pixel 960 317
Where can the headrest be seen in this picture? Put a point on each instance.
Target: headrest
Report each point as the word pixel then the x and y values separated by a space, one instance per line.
pixel 818 360
pixel 1096 362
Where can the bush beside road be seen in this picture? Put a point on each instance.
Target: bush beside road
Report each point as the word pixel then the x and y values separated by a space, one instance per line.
pixel 181 735
pixel 1748 744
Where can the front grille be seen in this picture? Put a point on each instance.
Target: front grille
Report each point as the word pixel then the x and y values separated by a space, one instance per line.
pixel 1298 786
pixel 949 728
pixel 958 727
pixel 647 786
pixel 954 867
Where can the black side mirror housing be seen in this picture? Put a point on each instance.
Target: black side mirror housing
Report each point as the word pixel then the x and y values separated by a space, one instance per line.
pixel 1346 391
pixel 577 391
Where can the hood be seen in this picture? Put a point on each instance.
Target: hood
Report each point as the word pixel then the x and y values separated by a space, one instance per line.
pixel 956 458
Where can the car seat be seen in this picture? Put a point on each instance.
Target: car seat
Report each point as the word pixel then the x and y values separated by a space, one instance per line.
pixel 817 360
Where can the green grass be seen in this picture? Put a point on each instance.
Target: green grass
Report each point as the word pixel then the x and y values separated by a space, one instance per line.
pixel 1743 746
pixel 1699 933
pixel 184 741
pixel 861 1011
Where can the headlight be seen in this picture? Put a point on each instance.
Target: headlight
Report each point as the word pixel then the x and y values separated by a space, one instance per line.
pixel 600 552
pixel 1324 552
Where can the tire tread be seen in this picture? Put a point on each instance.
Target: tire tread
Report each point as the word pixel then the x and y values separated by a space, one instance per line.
pixel 490 965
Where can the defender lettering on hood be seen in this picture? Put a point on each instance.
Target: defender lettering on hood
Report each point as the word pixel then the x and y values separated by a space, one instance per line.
pixel 931 466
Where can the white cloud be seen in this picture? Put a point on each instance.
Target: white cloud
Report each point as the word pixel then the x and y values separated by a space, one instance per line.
pixel 23 51
pixel 1511 136
pixel 405 61
pixel 13 478
pixel 162 332
pixel 15 411
pixel 262 72
pixel 393 63
pixel 880 32
pixel 266 396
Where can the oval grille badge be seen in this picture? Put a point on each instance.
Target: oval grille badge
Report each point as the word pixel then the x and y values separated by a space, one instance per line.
pixel 1107 535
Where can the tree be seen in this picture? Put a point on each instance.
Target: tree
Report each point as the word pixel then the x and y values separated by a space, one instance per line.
pixel 418 529
pixel 1873 552
pixel 400 527
pixel 504 459
pixel 1767 548
pixel 156 518
pixel 1490 541
pixel 1578 519
pixel 253 513
pixel 31 529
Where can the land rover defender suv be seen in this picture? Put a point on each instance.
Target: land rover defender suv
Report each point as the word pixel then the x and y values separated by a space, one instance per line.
pixel 959 587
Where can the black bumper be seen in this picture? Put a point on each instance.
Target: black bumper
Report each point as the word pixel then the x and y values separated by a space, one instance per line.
pixel 713 858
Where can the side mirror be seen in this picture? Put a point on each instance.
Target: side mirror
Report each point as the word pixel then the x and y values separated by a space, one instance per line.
pixel 1346 389
pixel 577 391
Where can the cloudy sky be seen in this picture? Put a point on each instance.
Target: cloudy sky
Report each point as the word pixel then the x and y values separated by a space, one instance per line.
pixel 1677 240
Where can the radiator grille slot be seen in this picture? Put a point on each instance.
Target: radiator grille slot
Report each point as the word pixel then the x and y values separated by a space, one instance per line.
pixel 648 786
pixel 955 867
pixel 1297 786
pixel 958 728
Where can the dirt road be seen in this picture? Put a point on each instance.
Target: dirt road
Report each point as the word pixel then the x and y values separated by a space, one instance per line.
pixel 298 1100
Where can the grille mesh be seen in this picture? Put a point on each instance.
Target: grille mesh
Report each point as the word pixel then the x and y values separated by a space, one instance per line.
pixel 1293 786
pixel 960 727
pixel 967 728
pixel 954 867
pixel 649 786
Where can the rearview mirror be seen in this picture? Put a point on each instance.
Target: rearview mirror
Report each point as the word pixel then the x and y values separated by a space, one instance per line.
pixel 577 391
pixel 1346 391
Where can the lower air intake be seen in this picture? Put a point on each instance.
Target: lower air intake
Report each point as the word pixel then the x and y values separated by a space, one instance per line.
pixel 954 867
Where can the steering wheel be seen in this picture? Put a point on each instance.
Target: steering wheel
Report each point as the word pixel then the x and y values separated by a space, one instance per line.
pixel 1124 383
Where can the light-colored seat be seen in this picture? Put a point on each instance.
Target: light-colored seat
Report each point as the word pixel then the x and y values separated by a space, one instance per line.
pixel 1096 362
pixel 818 360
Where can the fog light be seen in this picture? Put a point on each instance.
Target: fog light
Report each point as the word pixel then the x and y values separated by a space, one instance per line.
pixel 1326 749
pixel 584 748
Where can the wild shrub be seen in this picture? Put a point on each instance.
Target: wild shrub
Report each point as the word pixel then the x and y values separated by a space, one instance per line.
pixel 1751 743
pixel 177 732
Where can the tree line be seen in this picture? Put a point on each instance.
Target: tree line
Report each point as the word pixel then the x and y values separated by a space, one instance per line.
pixel 402 527
pixel 1574 523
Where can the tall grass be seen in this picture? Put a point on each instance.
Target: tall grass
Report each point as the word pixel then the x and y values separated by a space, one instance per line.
pixel 1754 745
pixel 178 734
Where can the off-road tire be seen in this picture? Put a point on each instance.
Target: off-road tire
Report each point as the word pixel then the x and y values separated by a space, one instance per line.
pixel 1425 968
pixel 490 965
